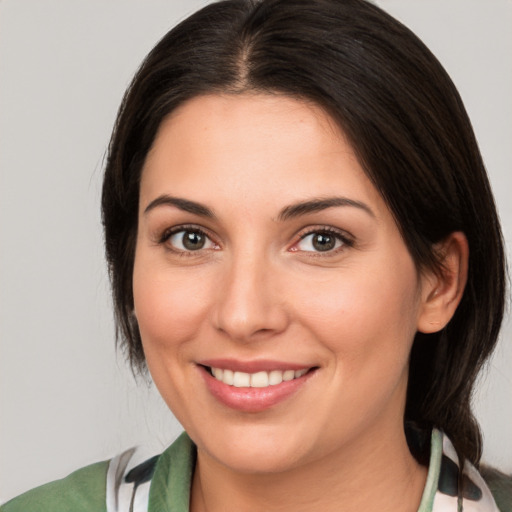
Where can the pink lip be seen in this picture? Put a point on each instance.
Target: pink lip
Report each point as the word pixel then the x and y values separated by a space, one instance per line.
pixel 263 365
pixel 251 399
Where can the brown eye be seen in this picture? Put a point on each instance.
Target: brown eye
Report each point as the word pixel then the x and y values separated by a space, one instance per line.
pixel 190 240
pixel 321 241
pixel 193 241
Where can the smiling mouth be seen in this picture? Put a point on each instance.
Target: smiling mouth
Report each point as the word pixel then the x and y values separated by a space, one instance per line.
pixel 262 379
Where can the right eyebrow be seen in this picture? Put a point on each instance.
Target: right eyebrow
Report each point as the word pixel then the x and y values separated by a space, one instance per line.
pixel 182 204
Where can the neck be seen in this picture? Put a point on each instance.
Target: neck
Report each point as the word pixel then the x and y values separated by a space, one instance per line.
pixel 372 474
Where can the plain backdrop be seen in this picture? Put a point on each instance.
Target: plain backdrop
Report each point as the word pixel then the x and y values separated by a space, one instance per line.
pixel 66 398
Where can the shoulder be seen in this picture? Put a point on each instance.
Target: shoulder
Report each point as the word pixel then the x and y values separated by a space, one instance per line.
pixel 160 483
pixel 500 485
pixel 83 490
pixel 119 484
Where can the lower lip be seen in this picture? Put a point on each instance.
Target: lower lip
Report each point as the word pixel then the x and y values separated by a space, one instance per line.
pixel 252 399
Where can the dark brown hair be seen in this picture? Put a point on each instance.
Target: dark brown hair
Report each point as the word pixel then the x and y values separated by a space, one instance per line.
pixel 407 124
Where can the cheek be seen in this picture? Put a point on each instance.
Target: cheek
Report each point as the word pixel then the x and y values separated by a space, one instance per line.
pixel 365 314
pixel 169 306
pixel 170 311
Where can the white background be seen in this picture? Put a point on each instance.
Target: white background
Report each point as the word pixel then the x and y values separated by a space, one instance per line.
pixel 66 399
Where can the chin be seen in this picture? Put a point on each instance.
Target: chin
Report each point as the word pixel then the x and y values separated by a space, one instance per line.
pixel 258 461
pixel 261 451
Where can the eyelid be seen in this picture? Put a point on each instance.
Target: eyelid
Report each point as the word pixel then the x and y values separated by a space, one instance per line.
pixel 347 239
pixel 164 237
pixel 326 229
pixel 168 232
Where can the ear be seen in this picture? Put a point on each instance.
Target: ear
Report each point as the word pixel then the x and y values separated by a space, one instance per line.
pixel 442 290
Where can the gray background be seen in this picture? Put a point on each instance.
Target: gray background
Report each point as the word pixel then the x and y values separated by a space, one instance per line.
pixel 66 398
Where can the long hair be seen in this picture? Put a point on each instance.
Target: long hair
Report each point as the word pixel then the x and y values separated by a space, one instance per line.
pixel 407 125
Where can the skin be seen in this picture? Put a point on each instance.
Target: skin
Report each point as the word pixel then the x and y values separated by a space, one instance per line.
pixel 257 291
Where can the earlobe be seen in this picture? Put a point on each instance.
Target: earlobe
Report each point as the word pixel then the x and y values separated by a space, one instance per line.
pixel 442 290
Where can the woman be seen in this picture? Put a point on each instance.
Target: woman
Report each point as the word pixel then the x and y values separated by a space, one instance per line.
pixel 305 253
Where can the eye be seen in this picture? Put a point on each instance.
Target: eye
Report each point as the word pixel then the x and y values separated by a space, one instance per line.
pixel 321 241
pixel 187 240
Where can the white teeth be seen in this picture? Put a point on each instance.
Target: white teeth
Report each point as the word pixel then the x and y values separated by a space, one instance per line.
pixel 228 377
pixel 288 375
pixel 256 380
pixel 241 380
pixel 275 377
pixel 218 373
pixel 259 380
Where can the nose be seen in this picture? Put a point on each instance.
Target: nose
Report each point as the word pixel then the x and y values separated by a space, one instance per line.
pixel 250 303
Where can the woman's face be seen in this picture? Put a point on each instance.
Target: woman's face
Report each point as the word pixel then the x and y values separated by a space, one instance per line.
pixel 265 254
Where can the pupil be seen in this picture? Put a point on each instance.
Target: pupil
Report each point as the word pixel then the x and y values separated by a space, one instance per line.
pixel 323 242
pixel 193 241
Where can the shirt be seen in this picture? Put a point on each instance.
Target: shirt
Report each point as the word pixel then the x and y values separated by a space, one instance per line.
pixel 162 484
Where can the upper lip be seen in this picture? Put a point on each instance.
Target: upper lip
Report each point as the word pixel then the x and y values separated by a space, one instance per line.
pixel 255 366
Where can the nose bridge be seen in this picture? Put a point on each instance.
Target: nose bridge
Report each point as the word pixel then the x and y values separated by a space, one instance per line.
pixel 249 304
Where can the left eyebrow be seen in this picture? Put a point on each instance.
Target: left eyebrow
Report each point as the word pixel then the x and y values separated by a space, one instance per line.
pixel 316 205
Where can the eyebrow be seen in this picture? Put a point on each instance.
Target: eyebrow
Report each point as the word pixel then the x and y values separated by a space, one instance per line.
pixel 182 204
pixel 319 204
pixel 288 212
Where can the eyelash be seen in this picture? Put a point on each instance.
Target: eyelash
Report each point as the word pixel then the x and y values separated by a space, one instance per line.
pixel 346 239
pixel 168 233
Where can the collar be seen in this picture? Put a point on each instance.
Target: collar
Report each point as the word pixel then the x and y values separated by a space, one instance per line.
pixel 441 492
pixel 163 483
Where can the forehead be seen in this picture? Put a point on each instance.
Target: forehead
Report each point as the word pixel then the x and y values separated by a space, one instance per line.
pixel 224 120
pixel 256 147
